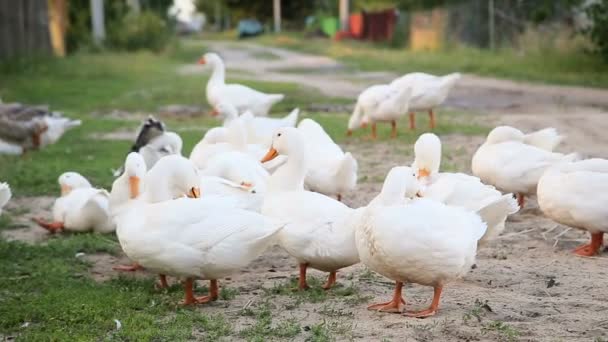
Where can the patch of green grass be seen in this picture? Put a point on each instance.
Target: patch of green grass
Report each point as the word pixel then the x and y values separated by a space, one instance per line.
pixel 576 68
pixel 505 331
pixel 262 329
pixel 228 293
pixel 47 295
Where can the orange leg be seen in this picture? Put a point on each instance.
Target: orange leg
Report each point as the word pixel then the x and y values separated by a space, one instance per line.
pixel 189 293
pixel 521 200
pixel 128 268
pixel 393 129
pixel 591 249
pixel 395 305
pixel 339 197
pixel 432 118
pixel 52 227
pixel 374 134
pixel 331 280
pixel 163 284
pixel 432 310
pixel 412 120
pixel 302 284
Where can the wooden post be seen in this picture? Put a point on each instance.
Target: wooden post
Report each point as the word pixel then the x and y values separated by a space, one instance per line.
pixel 218 15
pixel 344 13
pixel 277 15
pixel 97 22
pixel 57 25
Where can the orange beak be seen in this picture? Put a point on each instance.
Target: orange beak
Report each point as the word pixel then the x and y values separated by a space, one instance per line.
pixel 202 61
pixel 214 112
pixel 246 185
pixel 272 153
pixel 65 190
pixel 134 186
pixel 349 133
pixel 194 193
pixel 423 173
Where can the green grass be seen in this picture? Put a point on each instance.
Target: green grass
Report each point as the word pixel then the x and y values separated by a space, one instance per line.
pixel 573 68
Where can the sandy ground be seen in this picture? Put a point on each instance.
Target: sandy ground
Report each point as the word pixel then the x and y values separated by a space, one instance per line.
pixel 526 285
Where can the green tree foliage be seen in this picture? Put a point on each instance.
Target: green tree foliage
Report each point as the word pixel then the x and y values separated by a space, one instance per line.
pixel 598 32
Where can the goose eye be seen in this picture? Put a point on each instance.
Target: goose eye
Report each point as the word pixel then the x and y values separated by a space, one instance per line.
pixel 278 134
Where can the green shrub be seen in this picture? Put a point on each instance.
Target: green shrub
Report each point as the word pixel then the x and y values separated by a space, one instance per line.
pixel 598 32
pixel 136 32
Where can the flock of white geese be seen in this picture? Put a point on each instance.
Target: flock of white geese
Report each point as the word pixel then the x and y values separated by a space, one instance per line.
pixel 255 182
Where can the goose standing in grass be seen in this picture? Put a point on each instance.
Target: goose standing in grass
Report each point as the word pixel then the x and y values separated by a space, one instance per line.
pixel 5 195
pixel 24 127
pixel 192 238
pixel 576 194
pixel 242 97
pixel 514 162
pixel 424 241
pixel 429 92
pixel 319 230
pixel 331 172
pixel 367 104
pixel 80 208
pixel 456 189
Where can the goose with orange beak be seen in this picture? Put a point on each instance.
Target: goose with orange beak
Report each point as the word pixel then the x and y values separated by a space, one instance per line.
pixel 319 231
pixel 457 189
pixel 80 207
pixel 171 230
pixel 420 241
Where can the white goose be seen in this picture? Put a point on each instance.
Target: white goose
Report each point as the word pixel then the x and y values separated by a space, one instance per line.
pixel 576 194
pixel 424 241
pixel 242 97
pixel 331 172
pixel 80 207
pixel 429 92
pixel 166 144
pixel 456 189
pixel 260 130
pixel 367 103
pixel 5 195
pixel 184 237
pixel 513 162
pixel 318 232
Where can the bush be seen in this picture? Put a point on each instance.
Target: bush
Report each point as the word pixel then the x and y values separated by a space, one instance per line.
pixel 598 32
pixel 135 32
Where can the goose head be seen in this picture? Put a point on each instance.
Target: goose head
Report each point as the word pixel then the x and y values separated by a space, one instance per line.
pixel 210 58
pixel 69 181
pixel 502 134
pixel 288 141
pixel 172 177
pixel 427 155
pixel 400 184
pixel 285 141
pixel 135 170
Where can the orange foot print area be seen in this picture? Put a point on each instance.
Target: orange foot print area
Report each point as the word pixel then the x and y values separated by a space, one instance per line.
pixel 53 227
pixel 593 247
pixel 395 305
pixel 432 310
pixel 128 268
pixel 189 293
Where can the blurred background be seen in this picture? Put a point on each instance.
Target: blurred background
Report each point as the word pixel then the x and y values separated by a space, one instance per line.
pixel 60 27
